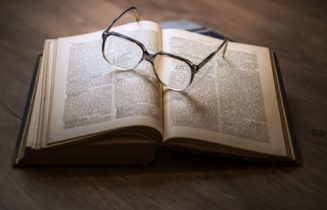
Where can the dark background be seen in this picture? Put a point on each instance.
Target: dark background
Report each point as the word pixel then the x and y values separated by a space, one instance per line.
pixel 296 30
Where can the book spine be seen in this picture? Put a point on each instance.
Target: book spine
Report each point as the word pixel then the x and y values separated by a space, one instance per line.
pixel 298 156
pixel 26 111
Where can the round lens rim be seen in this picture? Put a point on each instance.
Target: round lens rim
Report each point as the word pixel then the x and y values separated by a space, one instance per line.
pixel 173 57
pixel 128 39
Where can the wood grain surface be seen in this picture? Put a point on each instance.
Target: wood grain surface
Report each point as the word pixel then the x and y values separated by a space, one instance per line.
pixel 296 30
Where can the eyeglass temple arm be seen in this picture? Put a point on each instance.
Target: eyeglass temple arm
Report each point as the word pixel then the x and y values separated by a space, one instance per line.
pixel 207 59
pixel 123 13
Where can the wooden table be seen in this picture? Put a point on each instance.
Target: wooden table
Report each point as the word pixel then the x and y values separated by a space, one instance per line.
pixel 295 30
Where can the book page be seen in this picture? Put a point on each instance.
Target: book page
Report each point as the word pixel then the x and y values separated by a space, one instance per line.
pixel 39 113
pixel 90 95
pixel 231 101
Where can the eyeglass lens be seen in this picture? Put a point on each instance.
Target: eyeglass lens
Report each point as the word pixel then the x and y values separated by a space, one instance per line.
pixel 125 54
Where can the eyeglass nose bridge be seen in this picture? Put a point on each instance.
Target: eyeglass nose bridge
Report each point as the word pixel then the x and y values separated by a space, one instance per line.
pixel 148 56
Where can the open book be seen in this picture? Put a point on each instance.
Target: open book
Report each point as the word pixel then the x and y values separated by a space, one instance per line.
pixel 85 111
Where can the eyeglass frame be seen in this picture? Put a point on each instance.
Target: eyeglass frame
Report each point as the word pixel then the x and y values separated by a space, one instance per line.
pixel 150 57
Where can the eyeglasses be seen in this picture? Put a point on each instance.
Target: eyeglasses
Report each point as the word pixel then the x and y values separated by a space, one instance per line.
pixel 126 53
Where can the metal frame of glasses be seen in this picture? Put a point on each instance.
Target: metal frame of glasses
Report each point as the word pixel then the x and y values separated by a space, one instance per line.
pixel 193 68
